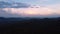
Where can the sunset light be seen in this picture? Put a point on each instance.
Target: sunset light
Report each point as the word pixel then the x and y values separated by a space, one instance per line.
pixel 31 8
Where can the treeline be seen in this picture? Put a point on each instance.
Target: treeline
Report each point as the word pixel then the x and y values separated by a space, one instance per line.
pixel 29 25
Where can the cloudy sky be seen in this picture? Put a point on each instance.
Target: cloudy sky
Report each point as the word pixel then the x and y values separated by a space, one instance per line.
pixel 29 8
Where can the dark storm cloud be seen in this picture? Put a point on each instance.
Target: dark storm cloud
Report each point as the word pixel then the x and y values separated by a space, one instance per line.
pixel 13 5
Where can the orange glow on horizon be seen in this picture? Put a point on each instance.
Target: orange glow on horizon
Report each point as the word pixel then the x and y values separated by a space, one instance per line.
pixel 31 11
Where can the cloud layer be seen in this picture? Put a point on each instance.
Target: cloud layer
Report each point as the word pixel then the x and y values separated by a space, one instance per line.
pixel 13 5
pixel 48 11
pixel 24 10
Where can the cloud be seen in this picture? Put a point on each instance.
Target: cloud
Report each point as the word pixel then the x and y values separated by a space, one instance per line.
pixel 33 12
pixel 44 0
pixel 46 11
pixel 13 5
pixel 4 13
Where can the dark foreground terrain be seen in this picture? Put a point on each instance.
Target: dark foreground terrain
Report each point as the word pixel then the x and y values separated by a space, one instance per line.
pixel 29 26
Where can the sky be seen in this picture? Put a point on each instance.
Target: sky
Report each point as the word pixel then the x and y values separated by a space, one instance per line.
pixel 29 8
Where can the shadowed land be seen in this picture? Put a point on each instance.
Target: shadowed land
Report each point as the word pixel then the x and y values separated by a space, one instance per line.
pixel 29 25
